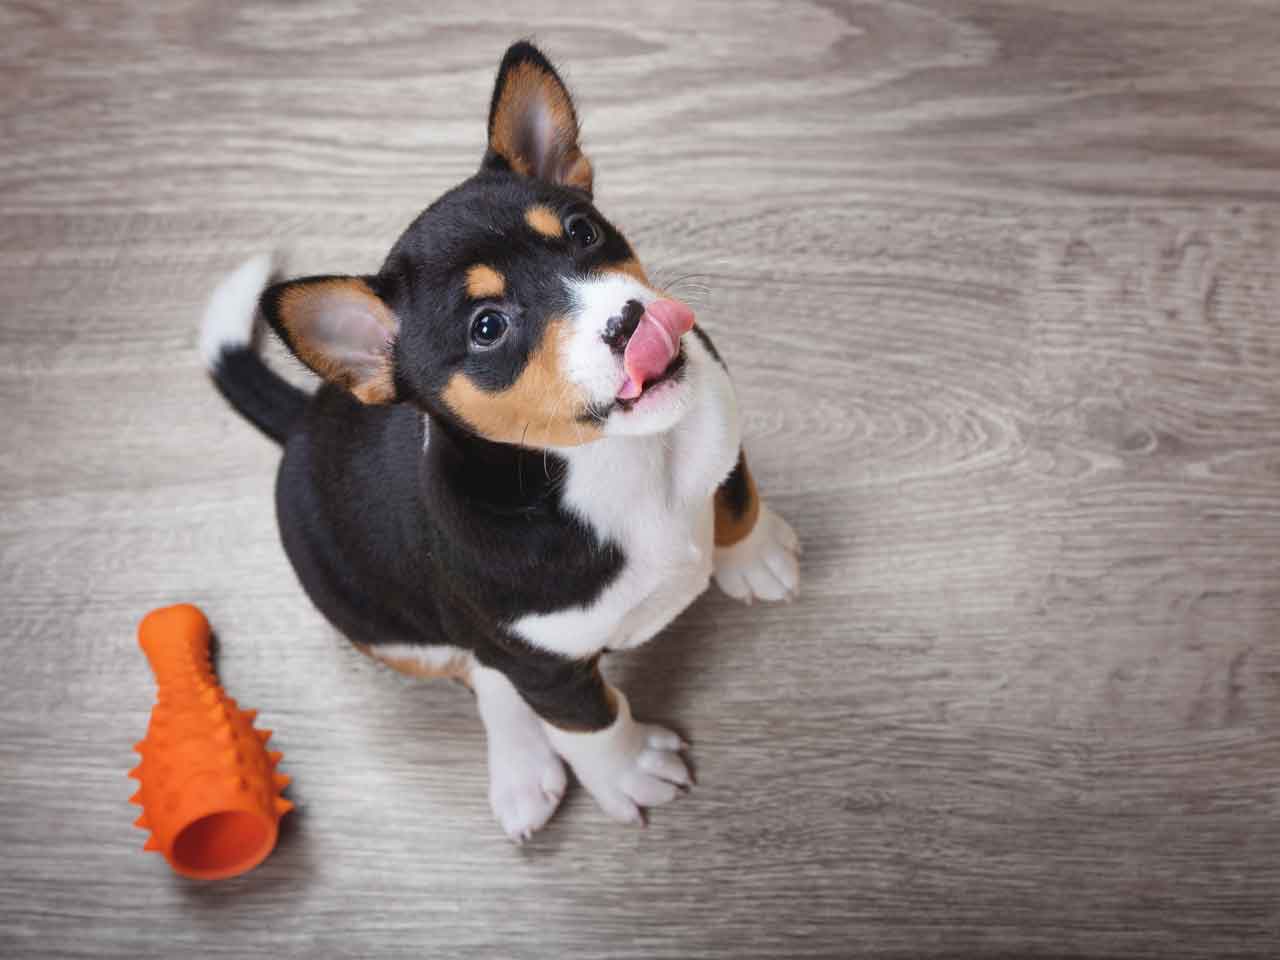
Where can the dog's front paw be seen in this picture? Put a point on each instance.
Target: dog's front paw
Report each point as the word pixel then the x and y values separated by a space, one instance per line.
pixel 651 774
pixel 525 787
pixel 764 564
pixel 627 767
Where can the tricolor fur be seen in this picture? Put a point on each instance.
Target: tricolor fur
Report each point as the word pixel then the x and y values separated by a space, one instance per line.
pixel 518 460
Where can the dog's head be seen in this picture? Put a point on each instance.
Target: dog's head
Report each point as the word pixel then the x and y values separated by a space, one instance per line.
pixel 511 306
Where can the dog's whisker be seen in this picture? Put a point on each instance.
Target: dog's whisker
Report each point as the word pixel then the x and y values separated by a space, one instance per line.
pixel 693 288
pixel 564 391
pixel 520 460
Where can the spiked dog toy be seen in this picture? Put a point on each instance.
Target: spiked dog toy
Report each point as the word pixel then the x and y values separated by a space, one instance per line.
pixel 208 788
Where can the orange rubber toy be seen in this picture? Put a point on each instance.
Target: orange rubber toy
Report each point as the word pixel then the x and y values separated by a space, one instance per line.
pixel 208 788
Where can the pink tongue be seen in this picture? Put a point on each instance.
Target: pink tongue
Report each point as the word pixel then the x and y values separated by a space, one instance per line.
pixel 654 344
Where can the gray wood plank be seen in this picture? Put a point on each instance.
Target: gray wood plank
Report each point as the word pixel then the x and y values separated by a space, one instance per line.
pixel 998 282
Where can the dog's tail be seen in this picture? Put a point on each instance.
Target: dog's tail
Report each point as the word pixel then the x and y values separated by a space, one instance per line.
pixel 266 400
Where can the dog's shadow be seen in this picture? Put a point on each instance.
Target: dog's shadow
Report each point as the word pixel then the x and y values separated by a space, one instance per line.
pixel 703 648
pixel 661 679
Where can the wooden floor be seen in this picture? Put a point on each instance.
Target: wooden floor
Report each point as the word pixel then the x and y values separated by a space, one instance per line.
pixel 999 282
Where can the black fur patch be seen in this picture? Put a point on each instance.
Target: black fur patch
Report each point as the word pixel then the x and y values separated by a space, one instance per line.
pixel 395 547
pixel 735 491
pixel 270 403
pixel 706 342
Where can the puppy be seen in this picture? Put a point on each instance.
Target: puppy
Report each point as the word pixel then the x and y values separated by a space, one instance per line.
pixel 522 455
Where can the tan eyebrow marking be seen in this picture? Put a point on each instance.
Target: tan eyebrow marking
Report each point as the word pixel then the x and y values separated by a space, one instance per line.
pixel 484 282
pixel 544 221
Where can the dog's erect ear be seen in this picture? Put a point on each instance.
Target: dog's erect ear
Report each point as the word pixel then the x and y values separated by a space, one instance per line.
pixel 341 329
pixel 533 128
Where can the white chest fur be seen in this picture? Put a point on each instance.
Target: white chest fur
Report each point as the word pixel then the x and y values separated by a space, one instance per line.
pixel 651 495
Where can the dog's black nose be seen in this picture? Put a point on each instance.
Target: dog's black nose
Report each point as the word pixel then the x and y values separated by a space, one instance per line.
pixel 618 330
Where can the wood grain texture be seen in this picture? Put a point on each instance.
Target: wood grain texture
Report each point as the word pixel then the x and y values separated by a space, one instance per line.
pixel 998 281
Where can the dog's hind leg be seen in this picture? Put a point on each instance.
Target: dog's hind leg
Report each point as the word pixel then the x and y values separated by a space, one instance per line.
pixel 756 550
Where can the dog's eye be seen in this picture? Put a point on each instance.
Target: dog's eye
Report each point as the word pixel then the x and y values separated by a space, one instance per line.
pixel 488 327
pixel 583 230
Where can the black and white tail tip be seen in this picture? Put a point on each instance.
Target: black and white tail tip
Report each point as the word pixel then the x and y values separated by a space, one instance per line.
pixel 232 310
pixel 260 395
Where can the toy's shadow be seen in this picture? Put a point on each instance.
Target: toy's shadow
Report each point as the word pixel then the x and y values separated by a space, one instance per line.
pixel 288 868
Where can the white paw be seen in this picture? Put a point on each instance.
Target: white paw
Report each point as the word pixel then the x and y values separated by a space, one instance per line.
pixel 627 767
pixel 650 776
pixel 764 565
pixel 525 787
